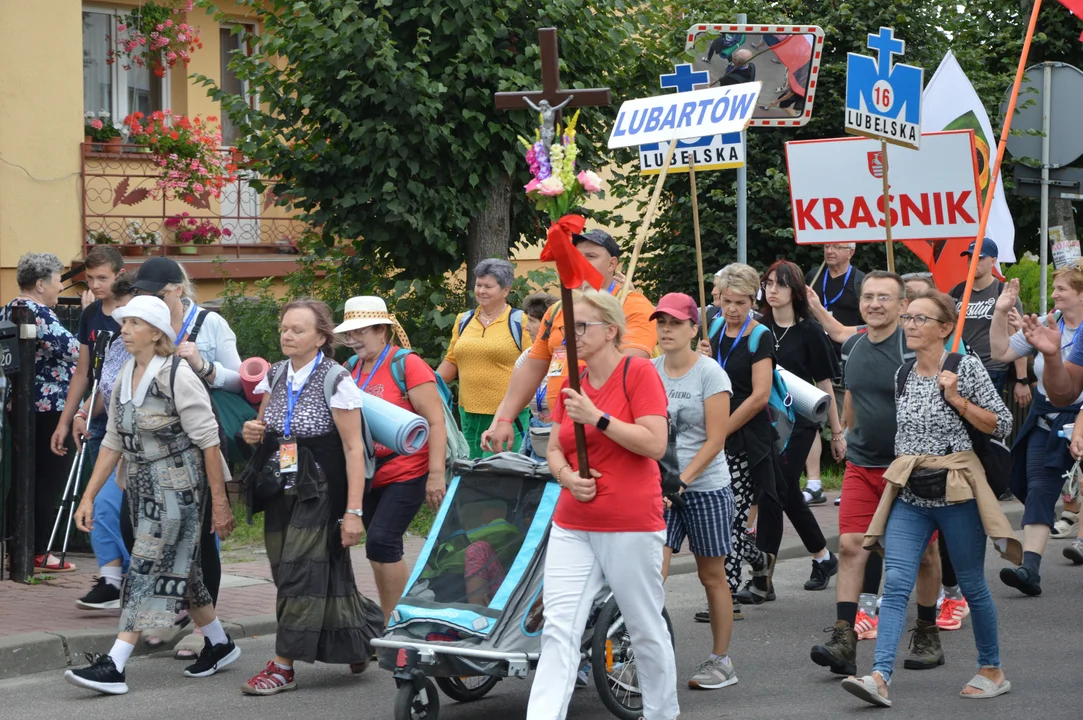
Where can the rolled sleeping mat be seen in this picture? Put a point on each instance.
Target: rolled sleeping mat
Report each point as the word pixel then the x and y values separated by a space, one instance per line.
pixel 539 440
pixel 396 428
pixel 253 370
pixel 809 401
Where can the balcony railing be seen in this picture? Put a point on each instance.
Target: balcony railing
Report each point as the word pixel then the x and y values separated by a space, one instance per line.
pixel 122 206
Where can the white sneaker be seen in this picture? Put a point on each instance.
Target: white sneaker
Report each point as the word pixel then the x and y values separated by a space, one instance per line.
pixel 713 674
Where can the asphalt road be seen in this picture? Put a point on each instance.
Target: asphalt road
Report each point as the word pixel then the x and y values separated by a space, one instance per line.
pixel 1040 646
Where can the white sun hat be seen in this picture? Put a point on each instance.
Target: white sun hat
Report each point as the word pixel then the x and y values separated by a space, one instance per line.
pixel 149 309
pixel 367 310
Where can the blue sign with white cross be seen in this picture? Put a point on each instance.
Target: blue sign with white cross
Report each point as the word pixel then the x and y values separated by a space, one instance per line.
pixel 712 152
pixel 883 100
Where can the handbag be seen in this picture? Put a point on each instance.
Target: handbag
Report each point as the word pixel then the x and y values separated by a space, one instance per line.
pixel 262 477
pixel 928 484
pixel 669 468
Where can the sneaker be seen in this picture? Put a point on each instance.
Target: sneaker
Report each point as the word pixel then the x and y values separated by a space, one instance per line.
pixel 952 613
pixel 582 677
pixel 102 596
pixel 865 625
pixel 1022 580
pixel 925 650
pixel 101 676
pixel 704 616
pixel 749 596
pixel 838 501
pixel 762 572
pixel 271 680
pixel 1074 552
pixel 840 652
pixel 822 572
pixel 814 497
pixel 1067 527
pixel 714 674
pixel 625 676
pixel 213 658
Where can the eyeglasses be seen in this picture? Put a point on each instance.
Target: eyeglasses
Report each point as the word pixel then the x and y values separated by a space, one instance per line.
pixel 581 328
pixel 868 298
pixel 918 320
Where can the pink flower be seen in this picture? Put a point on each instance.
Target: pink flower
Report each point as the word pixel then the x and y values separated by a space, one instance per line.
pixel 96 124
pixel 532 185
pixel 589 180
pixel 551 186
pixel 122 27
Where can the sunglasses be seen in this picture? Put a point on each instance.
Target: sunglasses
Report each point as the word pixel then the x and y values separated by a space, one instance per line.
pixel 137 292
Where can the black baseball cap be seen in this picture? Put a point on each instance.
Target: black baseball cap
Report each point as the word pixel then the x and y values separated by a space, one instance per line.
pixel 156 273
pixel 598 237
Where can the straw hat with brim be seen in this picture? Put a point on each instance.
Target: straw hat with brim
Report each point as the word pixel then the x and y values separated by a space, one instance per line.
pixel 150 310
pixel 368 310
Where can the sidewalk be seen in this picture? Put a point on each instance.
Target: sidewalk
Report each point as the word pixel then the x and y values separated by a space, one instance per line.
pixel 41 629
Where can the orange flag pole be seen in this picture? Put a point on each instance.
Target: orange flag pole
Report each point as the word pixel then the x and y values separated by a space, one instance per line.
pixel 994 176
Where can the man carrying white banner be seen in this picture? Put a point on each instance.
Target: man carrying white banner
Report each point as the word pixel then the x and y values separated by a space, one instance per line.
pixel 950 103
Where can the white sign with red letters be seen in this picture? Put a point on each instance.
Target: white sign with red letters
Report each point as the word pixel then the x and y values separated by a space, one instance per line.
pixel 837 191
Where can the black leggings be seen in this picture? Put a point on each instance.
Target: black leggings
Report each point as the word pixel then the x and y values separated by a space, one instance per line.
pixel 874 573
pixel 947 570
pixel 208 547
pixel 50 476
pixel 769 524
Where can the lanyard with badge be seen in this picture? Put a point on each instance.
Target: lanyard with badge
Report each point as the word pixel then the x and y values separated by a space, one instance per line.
pixel 187 323
pixel 845 281
pixel 287 446
pixel 722 361
pixel 1060 323
pixel 372 374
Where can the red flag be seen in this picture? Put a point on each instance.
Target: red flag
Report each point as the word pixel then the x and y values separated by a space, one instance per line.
pixel 573 268
pixel 1076 7
pixel 944 259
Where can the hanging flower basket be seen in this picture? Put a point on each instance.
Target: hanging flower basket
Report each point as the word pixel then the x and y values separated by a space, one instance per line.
pixel 186 153
pixel 152 36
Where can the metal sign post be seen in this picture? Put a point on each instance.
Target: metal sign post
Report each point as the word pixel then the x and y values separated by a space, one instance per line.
pixel 1043 283
pixel 23 467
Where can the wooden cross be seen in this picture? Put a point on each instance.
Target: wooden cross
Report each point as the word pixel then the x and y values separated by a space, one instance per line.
pixel 557 99
pixel 550 68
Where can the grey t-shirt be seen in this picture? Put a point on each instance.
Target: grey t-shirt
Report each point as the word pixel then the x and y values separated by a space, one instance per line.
pixel 979 318
pixel 686 395
pixel 868 372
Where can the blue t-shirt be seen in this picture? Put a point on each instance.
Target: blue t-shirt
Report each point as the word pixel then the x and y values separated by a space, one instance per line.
pixel 91 323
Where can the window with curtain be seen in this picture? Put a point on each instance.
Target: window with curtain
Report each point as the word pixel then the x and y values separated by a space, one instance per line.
pixel 228 42
pixel 110 87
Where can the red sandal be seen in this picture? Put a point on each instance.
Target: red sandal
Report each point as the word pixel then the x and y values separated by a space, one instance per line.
pixel 53 566
pixel 272 680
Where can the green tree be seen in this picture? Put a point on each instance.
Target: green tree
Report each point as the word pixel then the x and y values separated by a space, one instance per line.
pixel 378 119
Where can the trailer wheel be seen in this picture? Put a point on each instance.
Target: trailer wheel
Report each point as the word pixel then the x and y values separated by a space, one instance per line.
pixel 612 662
pixel 413 703
pixel 466 689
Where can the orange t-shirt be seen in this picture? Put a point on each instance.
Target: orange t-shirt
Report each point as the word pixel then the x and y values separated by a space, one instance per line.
pixel 639 334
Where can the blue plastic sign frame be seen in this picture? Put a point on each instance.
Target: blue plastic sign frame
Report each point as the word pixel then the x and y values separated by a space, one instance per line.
pixel 683 116
pixel 883 101
pixel 712 152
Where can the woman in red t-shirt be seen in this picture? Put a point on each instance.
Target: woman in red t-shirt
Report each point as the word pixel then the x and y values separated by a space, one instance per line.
pixel 402 482
pixel 609 526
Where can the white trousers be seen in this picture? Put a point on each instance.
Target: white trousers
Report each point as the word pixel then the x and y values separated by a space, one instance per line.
pixel 577 563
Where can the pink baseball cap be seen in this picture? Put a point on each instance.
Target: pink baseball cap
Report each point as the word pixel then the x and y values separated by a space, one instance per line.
pixel 677 305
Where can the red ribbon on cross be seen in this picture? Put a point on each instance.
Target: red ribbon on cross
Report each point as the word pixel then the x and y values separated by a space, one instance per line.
pixel 573 268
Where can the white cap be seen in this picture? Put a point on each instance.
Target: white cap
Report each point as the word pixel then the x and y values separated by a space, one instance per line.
pixel 149 309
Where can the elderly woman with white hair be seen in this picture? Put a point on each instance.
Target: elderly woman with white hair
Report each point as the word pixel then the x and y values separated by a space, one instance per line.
pixel 485 343
pixel 162 424
pixel 38 275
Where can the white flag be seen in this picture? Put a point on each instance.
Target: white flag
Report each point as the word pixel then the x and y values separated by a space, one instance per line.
pixel 950 103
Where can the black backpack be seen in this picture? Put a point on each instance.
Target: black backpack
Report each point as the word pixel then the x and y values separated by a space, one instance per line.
pixel 995 456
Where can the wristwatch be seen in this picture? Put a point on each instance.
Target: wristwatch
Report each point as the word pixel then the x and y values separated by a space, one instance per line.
pixel 603 422
pixel 358 513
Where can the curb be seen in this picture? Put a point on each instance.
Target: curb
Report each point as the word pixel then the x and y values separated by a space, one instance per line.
pixel 43 651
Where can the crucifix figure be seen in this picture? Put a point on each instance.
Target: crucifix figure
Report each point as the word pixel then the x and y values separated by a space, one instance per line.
pixel 550 101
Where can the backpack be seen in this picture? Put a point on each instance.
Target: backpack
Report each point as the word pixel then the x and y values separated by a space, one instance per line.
pixel 780 403
pixel 457 446
pixel 515 325
pixel 995 456
pixel 329 382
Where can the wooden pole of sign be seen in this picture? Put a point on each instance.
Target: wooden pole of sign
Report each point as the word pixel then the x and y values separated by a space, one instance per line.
pixel 818 273
pixel 645 227
pixel 699 249
pixel 994 175
pixel 887 209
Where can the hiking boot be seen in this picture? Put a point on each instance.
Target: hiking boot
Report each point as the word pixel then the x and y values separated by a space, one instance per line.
pixel 822 572
pixel 714 674
pixel 1022 580
pixel 839 654
pixel 1074 552
pixel 102 596
pixel 925 650
pixel 746 596
pixel 101 676
pixel 814 497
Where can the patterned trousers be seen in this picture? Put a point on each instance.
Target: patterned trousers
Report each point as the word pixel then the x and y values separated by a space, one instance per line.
pixel 744 542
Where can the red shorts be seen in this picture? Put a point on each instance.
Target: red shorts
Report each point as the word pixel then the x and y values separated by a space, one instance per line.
pixel 862 489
